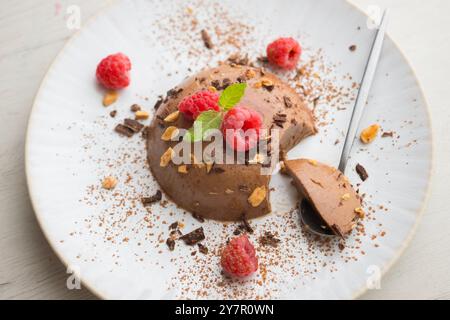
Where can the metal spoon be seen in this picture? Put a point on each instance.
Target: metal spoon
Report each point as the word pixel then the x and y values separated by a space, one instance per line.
pixel 309 218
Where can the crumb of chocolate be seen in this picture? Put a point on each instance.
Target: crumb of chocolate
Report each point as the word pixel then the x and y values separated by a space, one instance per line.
pixel 202 249
pixel 135 107
pixel 123 130
pixel 158 103
pixel 133 125
pixel 246 225
pixel 352 48
pixel 206 39
pixel 170 243
pixel 389 134
pixel 193 237
pixel 146 201
pixel 174 226
pixel 361 172
pixel 113 113
pixel 198 217
pixel 145 133
pixel 268 239
pixel 287 102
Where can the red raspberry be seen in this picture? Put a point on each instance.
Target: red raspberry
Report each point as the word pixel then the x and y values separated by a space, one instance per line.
pixel 238 258
pixel 113 72
pixel 284 53
pixel 199 102
pixel 240 127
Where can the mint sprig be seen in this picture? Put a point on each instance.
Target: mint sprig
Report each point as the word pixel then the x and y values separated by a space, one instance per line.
pixel 232 95
pixel 205 121
pixel 212 119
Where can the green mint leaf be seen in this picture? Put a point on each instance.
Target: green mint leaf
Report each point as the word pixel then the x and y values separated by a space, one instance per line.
pixel 232 95
pixel 205 121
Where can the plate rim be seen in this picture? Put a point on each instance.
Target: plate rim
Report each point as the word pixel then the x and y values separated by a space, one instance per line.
pixel 356 293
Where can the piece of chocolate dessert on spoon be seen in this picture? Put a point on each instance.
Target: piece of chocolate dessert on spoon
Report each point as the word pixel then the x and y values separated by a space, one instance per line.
pixel 332 206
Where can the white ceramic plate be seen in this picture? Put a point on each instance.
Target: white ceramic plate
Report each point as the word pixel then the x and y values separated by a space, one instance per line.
pixel 118 246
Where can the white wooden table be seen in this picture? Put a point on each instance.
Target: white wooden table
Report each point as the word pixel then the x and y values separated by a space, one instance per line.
pixel 32 32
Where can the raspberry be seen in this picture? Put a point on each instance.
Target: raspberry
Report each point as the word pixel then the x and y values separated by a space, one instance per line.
pixel 238 258
pixel 241 127
pixel 199 102
pixel 284 53
pixel 113 72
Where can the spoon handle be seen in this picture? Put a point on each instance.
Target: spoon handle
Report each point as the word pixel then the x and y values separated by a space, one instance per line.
pixel 364 90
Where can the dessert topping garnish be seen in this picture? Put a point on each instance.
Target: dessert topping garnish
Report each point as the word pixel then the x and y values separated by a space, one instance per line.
pixel 284 53
pixel 172 117
pixel 109 183
pixel 135 107
pixel 141 115
pixel 150 200
pixel 166 157
pixel 206 39
pixel 193 237
pixel 257 197
pixel 360 212
pixel 238 258
pixel 110 97
pixel 369 134
pixel 268 239
pixel 361 172
pixel 113 72
pixel 183 169
pixel 170 133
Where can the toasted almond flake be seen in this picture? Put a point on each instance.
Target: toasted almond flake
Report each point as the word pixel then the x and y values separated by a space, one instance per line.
pixel 170 133
pixel 313 162
pixel 257 197
pixel 109 183
pixel 257 85
pixel 249 74
pixel 369 134
pixel 360 212
pixel 182 169
pixel 212 89
pixel 110 97
pixel 266 82
pixel 345 196
pixel 229 191
pixel 166 157
pixel 172 117
pixel 141 115
pixel 189 10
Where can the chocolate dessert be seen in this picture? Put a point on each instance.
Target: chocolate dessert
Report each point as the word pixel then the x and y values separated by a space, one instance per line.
pixel 225 192
pixel 328 192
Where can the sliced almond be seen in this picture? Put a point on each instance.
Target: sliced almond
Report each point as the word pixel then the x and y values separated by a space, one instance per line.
pixel 345 196
pixel 109 183
pixel 229 191
pixel 141 115
pixel 166 157
pixel 266 82
pixel 110 97
pixel 172 117
pixel 360 212
pixel 170 133
pixel 257 85
pixel 212 89
pixel 257 197
pixel 250 73
pixel 369 134
pixel 182 169
pixel 313 162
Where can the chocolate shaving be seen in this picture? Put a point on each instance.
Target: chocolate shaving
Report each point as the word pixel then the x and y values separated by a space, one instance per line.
pixel 361 172
pixel 269 87
pixel 279 119
pixel 170 243
pixel 387 134
pixel 135 108
pixel 123 130
pixel 352 48
pixel 193 237
pixel 268 239
pixel 174 226
pixel 287 102
pixel 263 59
pixel 246 224
pixel 238 60
pixel 202 248
pixel 198 217
pixel 173 93
pixel 145 133
pixel 206 39
pixel 159 102
pixel 133 125
pixel 146 201
pixel 113 113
